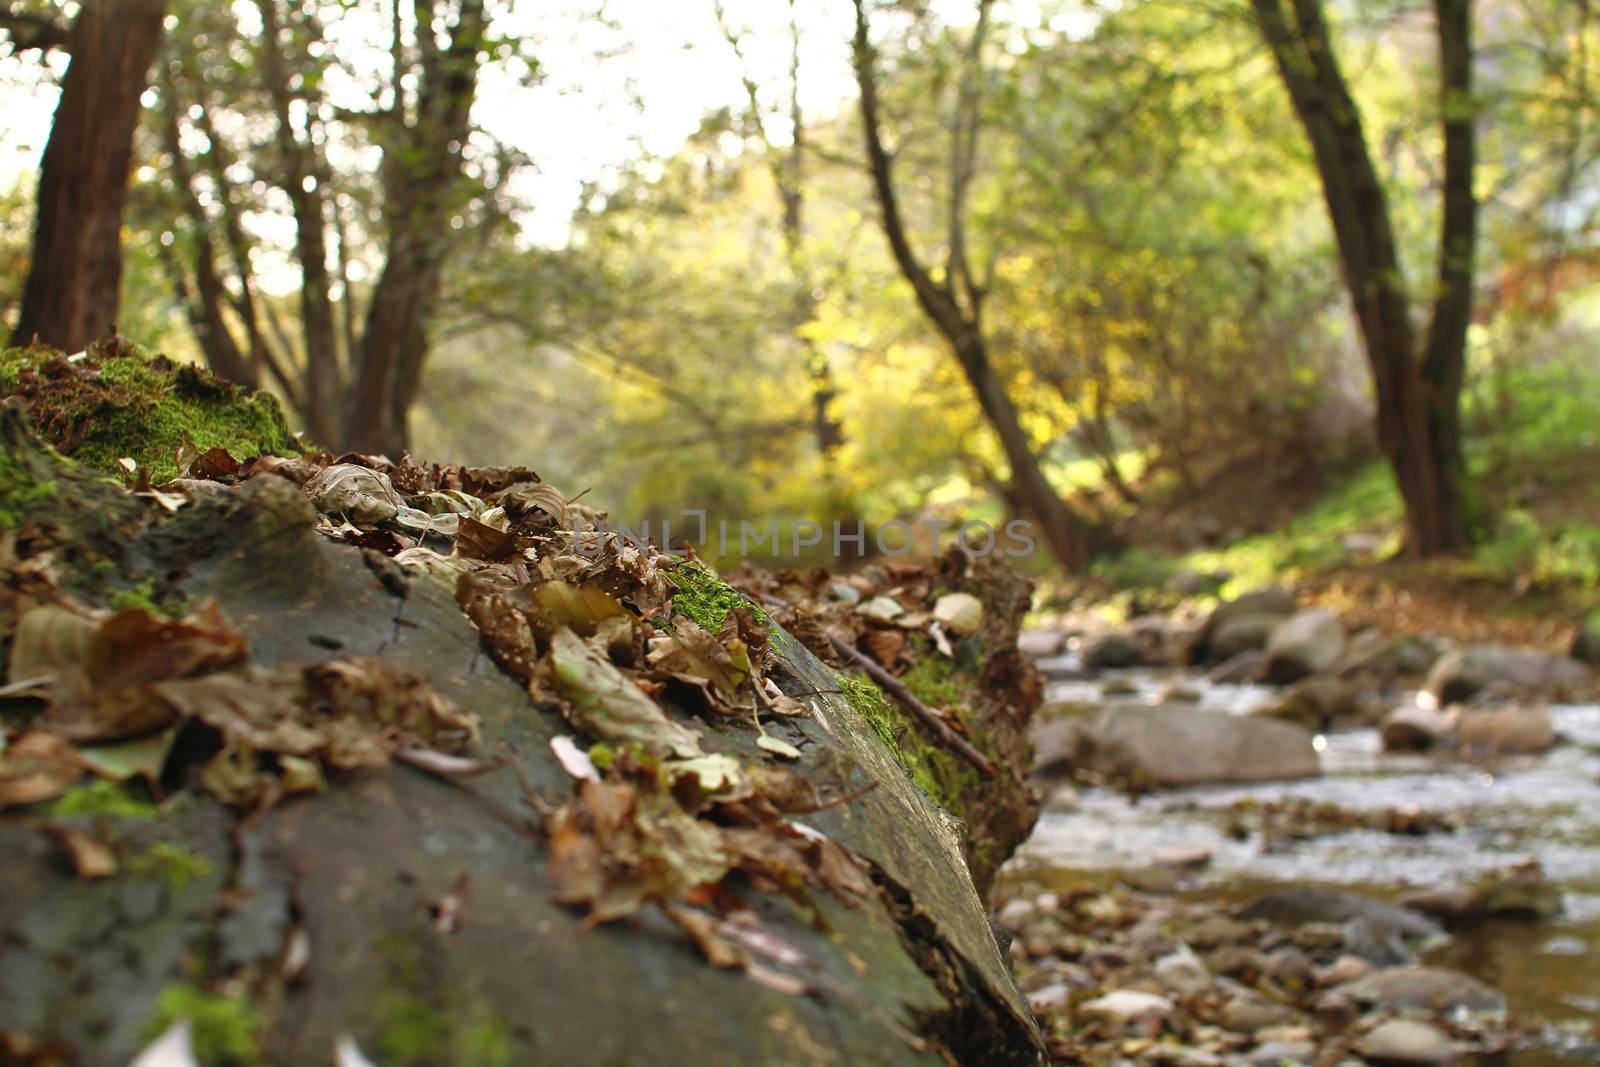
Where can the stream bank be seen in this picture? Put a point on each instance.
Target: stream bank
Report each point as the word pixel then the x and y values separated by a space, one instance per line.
pixel 1230 921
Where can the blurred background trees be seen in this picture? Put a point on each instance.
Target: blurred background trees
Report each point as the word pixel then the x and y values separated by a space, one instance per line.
pixel 1115 266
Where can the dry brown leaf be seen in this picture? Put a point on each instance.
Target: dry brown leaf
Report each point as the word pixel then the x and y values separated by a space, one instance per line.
pixel 38 766
pixel 91 858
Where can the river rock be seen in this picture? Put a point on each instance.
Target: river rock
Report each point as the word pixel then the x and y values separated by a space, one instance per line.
pixel 1275 604
pixel 1049 999
pixel 1413 728
pixel 1129 1010
pixel 1190 582
pixel 1246 1015
pixel 1460 674
pixel 1428 988
pixel 1040 643
pixel 1111 650
pixel 1521 892
pixel 1508 731
pixel 1317 703
pixel 1165 746
pixel 1306 643
pixel 1242 633
pixel 1301 905
pixel 1238 669
pixel 1405 1041
pixel 1385 659
pixel 1281 1053
pixel 1342 970
pixel 1183 973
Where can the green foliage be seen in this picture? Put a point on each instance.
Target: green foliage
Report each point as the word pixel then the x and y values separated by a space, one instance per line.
pixel 226 1030
pixel 102 797
pixel 176 866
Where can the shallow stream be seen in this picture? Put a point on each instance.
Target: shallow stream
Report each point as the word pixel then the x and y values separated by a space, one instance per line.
pixel 1544 808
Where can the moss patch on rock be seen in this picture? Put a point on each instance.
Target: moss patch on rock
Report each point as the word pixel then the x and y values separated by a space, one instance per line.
pixel 707 599
pixel 945 777
pixel 20 491
pixel 225 1030
pixel 119 400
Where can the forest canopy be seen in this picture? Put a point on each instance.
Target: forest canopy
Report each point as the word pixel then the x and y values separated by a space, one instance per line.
pixel 1069 260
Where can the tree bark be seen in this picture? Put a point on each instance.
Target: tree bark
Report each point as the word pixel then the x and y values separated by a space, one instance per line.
pixel 321 393
pixel 422 177
pixel 72 289
pixel 961 324
pixel 1418 394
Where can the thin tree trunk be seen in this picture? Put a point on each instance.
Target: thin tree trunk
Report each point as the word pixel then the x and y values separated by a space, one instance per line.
pixel 961 326
pixel 321 393
pixel 1418 396
pixel 72 289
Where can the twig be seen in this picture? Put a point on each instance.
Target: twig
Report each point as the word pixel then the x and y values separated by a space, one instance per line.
pixel 892 685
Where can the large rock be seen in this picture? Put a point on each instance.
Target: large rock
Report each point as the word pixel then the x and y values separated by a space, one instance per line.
pixel 1460 674
pixel 1163 746
pixel 1306 643
pixel 422 915
pixel 1275 603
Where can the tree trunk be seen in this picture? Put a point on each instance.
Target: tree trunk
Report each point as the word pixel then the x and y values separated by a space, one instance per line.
pixel 71 294
pixel 961 326
pixel 1418 397
pixel 422 176
pixel 1064 532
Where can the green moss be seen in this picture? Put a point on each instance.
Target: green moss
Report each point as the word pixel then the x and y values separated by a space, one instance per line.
pixel 935 681
pixel 173 864
pixel 143 595
pixel 144 407
pixel 460 1028
pixel 945 777
pixel 226 1030
pixel 707 599
pixel 20 491
pixel 102 797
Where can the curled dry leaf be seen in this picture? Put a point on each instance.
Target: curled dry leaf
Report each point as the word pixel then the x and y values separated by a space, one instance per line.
pixel 358 493
pixel 36 767
pixel 478 540
pixel 582 608
pixel 606 704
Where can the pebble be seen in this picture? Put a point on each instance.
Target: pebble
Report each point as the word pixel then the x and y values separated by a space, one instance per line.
pixel 1278 1053
pixel 1342 970
pixel 1183 973
pixel 1129 1010
pixel 1192 857
pixel 1248 1015
pixel 1049 999
pixel 1405 1041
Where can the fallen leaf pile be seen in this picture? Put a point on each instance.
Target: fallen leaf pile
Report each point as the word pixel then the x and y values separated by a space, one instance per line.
pixel 116 689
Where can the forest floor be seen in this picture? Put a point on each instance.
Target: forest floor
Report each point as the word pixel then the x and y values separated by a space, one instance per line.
pixel 1334 533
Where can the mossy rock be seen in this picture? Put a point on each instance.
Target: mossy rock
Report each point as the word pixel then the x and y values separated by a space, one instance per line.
pixel 116 400
pixel 912 977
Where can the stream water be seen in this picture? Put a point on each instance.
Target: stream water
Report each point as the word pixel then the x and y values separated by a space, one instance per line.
pixel 1544 808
